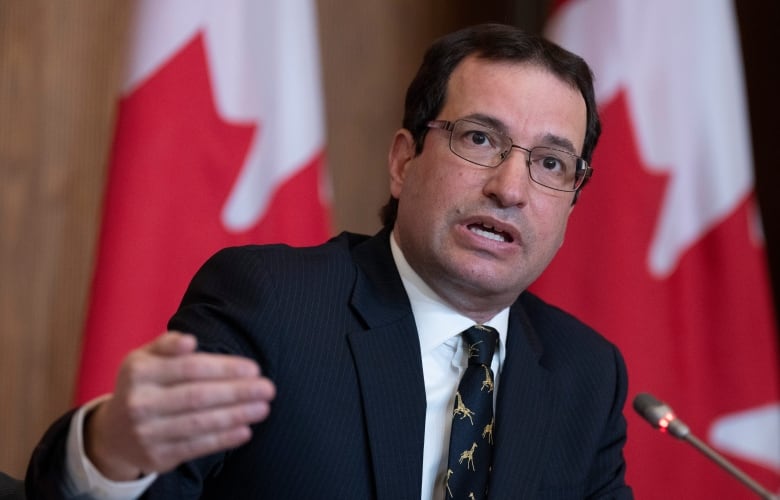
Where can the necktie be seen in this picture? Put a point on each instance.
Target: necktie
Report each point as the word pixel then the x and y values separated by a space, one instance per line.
pixel 471 438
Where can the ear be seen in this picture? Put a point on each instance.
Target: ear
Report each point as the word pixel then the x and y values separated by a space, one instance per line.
pixel 399 160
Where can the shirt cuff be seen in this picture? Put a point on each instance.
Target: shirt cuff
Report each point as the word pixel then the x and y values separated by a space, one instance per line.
pixel 83 478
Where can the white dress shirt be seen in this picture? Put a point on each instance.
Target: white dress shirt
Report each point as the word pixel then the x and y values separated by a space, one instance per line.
pixel 444 360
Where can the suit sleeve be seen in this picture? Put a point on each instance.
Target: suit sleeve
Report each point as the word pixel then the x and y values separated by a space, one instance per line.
pixel 46 471
pixel 609 466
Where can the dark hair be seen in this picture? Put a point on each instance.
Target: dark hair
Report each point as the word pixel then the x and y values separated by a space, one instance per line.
pixel 496 42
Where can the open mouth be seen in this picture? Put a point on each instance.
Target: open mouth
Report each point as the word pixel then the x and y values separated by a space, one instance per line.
pixel 490 233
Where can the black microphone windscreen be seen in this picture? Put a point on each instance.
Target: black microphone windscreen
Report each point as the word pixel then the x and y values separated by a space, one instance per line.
pixel 650 408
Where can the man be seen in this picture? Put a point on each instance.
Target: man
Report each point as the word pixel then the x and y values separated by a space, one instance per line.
pixel 359 339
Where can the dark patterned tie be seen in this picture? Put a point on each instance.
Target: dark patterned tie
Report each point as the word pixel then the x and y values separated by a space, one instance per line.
pixel 471 439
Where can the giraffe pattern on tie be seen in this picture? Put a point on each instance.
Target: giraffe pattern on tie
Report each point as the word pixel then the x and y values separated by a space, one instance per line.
pixel 488 382
pixel 474 349
pixel 488 431
pixel 447 482
pixel 461 409
pixel 468 455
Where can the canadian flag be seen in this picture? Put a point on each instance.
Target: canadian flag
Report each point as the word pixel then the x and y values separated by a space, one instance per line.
pixel 219 141
pixel 664 253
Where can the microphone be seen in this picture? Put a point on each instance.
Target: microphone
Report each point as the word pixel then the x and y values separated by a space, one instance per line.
pixel 662 417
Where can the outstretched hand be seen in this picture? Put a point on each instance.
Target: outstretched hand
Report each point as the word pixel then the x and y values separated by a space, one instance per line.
pixel 172 404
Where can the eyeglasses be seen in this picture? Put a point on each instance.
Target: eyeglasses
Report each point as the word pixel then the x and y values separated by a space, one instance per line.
pixel 487 147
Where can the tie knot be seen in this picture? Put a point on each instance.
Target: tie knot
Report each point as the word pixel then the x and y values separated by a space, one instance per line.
pixel 481 343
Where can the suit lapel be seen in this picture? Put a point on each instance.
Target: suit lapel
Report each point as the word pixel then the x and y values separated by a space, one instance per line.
pixel 525 405
pixel 389 366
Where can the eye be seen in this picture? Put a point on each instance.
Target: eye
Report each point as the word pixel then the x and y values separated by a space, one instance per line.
pixel 551 163
pixel 479 138
pixel 478 143
pixel 476 138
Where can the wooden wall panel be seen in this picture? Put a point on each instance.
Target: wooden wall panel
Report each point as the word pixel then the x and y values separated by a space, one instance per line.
pixel 58 66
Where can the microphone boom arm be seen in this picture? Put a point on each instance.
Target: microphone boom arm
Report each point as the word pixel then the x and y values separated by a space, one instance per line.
pixel 729 467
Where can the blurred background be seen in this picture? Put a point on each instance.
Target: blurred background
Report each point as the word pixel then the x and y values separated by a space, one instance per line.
pixel 60 71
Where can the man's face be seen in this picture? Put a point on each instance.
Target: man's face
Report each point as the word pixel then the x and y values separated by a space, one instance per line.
pixel 479 236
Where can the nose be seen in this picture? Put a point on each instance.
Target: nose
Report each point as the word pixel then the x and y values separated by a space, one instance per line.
pixel 509 182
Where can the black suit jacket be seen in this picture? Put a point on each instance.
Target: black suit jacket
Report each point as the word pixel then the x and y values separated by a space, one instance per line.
pixel 333 327
pixel 10 488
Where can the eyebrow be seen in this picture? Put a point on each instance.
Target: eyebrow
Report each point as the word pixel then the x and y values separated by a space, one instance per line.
pixel 549 140
pixel 487 120
pixel 559 143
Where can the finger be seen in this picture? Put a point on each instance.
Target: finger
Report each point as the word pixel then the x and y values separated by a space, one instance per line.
pixel 172 343
pixel 192 425
pixel 198 396
pixel 207 366
pixel 168 455
pixel 141 368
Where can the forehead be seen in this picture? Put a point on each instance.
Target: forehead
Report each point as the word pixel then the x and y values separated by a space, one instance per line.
pixel 526 100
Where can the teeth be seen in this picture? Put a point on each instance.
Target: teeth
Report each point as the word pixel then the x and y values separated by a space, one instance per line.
pixel 487 234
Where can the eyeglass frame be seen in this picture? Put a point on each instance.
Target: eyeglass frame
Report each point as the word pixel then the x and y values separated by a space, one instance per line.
pixel 582 172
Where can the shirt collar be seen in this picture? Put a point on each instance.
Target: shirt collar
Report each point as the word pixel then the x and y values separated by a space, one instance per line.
pixel 437 321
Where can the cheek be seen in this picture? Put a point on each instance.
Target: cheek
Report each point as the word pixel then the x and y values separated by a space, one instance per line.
pixel 562 222
pixel 433 185
pixel 551 221
pixel 452 192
